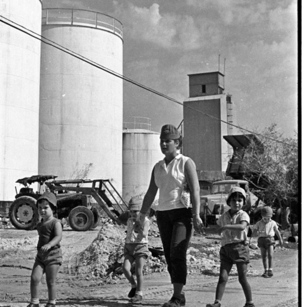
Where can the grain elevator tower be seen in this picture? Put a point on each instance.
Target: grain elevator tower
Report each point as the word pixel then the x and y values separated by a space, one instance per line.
pixel 205 113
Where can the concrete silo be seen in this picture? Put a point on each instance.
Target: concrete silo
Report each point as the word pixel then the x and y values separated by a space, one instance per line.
pixel 19 93
pixel 141 150
pixel 81 106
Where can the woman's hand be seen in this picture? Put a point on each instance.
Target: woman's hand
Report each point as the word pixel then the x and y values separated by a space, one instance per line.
pixel 198 224
pixel 140 220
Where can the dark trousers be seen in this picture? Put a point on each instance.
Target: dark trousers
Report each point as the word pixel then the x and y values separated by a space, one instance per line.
pixel 175 228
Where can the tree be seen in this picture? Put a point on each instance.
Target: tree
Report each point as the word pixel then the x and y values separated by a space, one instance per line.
pixel 270 165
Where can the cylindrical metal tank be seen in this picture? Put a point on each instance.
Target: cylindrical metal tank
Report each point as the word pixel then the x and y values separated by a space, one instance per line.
pixel 81 106
pixel 19 93
pixel 141 151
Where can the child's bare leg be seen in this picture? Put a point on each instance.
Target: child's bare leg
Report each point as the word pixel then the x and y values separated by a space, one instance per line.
pixel 270 256
pixel 51 274
pixel 264 257
pixel 242 271
pixel 36 276
pixel 139 264
pixel 127 270
pixel 223 278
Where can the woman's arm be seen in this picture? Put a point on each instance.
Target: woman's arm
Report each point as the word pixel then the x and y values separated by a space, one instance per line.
pixel 148 198
pixel 193 183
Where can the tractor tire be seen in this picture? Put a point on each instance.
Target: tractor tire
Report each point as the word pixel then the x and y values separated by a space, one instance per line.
pixel 23 213
pixel 96 218
pixel 81 218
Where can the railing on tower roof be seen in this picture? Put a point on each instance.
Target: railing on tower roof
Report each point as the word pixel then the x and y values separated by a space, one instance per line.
pixel 84 18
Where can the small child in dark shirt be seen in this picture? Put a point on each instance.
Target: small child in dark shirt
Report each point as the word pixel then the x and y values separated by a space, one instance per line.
pixel 49 254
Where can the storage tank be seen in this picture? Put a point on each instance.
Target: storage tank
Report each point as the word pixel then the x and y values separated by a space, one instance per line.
pixel 81 106
pixel 141 151
pixel 19 93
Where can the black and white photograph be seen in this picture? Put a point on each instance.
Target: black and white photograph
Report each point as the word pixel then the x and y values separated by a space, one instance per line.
pixel 150 153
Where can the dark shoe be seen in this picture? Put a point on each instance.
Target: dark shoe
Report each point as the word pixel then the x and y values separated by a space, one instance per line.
pixel 249 305
pixel 132 292
pixel 136 299
pixel 33 305
pixel 182 299
pixel 265 274
pixel 173 302
pixel 270 273
pixel 215 304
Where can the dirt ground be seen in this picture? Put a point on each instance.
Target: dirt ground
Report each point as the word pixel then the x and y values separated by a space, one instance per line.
pixel 89 256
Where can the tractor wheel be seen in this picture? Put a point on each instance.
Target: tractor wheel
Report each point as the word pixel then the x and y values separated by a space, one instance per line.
pixel 23 213
pixel 81 218
pixel 96 217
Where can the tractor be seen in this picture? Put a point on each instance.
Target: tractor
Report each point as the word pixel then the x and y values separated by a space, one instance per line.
pixel 73 202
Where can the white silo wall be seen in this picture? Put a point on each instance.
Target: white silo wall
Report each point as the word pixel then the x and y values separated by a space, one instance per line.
pixel 81 107
pixel 141 151
pixel 19 93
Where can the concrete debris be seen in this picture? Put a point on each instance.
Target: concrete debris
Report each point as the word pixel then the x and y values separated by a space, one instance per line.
pixel 103 258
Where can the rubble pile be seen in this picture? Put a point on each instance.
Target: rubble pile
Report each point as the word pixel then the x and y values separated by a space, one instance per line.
pixel 103 258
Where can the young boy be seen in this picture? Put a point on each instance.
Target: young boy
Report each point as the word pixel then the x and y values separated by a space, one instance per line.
pixel 49 254
pixel 266 230
pixel 233 227
pixel 135 250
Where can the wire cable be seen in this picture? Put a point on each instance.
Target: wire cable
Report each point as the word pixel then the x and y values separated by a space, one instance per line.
pixel 97 65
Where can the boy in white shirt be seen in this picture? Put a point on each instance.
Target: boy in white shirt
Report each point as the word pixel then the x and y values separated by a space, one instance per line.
pixel 265 229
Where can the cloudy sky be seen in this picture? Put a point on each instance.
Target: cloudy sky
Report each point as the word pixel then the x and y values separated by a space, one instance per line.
pixel 164 41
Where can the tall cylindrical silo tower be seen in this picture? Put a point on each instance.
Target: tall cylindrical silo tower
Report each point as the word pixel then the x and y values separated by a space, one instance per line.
pixel 81 106
pixel 19 93
pixel 141 151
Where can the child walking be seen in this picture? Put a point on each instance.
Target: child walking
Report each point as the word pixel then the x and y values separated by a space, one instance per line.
pixel 266 229
pixel 233 227
pixel 135 249
pixel 49 255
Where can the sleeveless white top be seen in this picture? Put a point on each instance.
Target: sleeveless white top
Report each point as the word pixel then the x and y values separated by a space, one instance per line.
pixel 170 180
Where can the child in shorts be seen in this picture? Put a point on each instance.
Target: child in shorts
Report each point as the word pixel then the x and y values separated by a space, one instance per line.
pixel 49 254
pixel 266 229
pixel 233 227
pixel 135 249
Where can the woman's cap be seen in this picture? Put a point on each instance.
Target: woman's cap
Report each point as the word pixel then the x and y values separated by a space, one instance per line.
pixel 266 211
pixel 236 190
pixel 169 132
pixel 50 197
pixel 135 203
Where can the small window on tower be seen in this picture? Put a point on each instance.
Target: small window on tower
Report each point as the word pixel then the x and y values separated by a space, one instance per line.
pixel 203 88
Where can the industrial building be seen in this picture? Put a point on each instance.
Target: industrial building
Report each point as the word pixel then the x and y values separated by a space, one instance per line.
pixel 206 113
